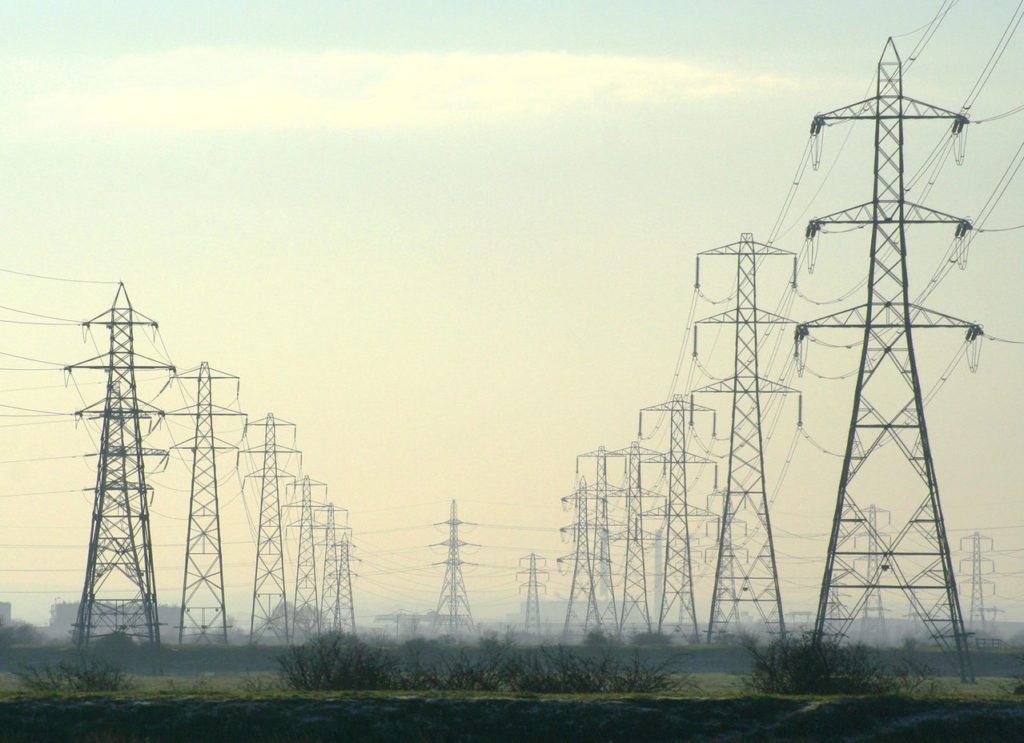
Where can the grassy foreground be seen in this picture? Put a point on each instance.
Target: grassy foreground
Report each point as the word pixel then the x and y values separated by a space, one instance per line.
pixel 467 718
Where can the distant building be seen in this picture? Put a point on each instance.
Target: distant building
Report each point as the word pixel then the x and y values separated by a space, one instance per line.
pixel 64 614
pixel 5 612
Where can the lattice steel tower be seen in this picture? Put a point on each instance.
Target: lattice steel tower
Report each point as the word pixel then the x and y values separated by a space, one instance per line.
pixel 677 581
pixel 119 595
pixel 345 600
pixel 873 613
pixel 979 566
pixel 202 615
pixel 453 615
pixel 338 613
pixel 269 594
pixel 534 569
pixel 306 592
pixel 581 611
pixel 745 573
pixel 600 537
pixel 635 605
pixel 888 449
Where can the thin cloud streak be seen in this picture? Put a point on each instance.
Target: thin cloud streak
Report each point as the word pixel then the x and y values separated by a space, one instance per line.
pixel 216 89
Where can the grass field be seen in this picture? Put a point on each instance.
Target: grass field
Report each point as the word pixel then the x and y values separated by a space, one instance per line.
pixel 243 700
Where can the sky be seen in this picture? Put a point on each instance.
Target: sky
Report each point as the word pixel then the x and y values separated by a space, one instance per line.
pixel 455 246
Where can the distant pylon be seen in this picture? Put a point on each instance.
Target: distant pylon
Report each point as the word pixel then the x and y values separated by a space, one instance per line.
pixel 330 605
pixel 347 607
pixel 119 594
pixel 581 611
pixel 269 593
pixel 600 538
pixel 202 615
pixel 873 613
pixel 453 615
pixel 979 566
pixel 677 569
pixel 635 606
pixel 305 595
pixel 534 569
pixel 745 573
pixel 888 415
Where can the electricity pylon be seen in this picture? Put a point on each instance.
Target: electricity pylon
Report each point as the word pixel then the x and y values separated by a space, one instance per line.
pixel 745 574
pixel 347 607
pixel 202 615
pixel 337 611
pixel 582 590
pixel 980 565
pixel 635 603
pixel 119 594
pixel 873 613
pixel 305 594
pixel 269 593
pixel 677 570
pixel 888 405
pixel 600 538
pixel 453 615
pixel 534 569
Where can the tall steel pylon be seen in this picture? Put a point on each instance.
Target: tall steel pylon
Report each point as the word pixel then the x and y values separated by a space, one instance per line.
pixel 306 590
pixel 635 606
pixel 745 573
pixel 888 420
pixel 347 607
pixel 979 565
pixel 600 538
pixel 581 611
pixel 202 616
pixel 269 593
pixel 119 594
pixel 453 615
pixel 532 565
pixel 337 611
pixel 676 594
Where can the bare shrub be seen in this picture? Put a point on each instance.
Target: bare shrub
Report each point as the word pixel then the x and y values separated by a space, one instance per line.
pixel 335 663
pixel 345 663
pixel 809 665
pixel 86 673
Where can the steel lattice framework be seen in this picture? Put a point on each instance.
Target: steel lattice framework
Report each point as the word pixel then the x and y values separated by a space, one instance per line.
pixel 979 566
pixel 600 538
pixel 635 607
pixel 745 573
pixel 203 617
pixel 677 578
pixel 888 417
pixel 453 615
pixel 347 607
pixel 119 594
pixel 583 588
pixel 534 569
pixel 269 594
pixel 306 590
pixel 873 612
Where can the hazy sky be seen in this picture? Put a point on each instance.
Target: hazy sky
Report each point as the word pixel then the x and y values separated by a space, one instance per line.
pixel 454 244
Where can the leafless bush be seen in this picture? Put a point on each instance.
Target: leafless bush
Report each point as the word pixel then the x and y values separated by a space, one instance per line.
pixel 86 673
pixel 335 663
pixel 809 665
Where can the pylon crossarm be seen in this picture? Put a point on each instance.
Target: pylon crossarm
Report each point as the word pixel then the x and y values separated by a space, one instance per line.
pixel 889 316
pixel 869 109
pixel 743 316
pixel 746 248
pixel 729 386
pixel 888 213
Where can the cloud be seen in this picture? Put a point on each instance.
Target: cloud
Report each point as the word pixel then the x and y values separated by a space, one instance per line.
pixel 218 89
